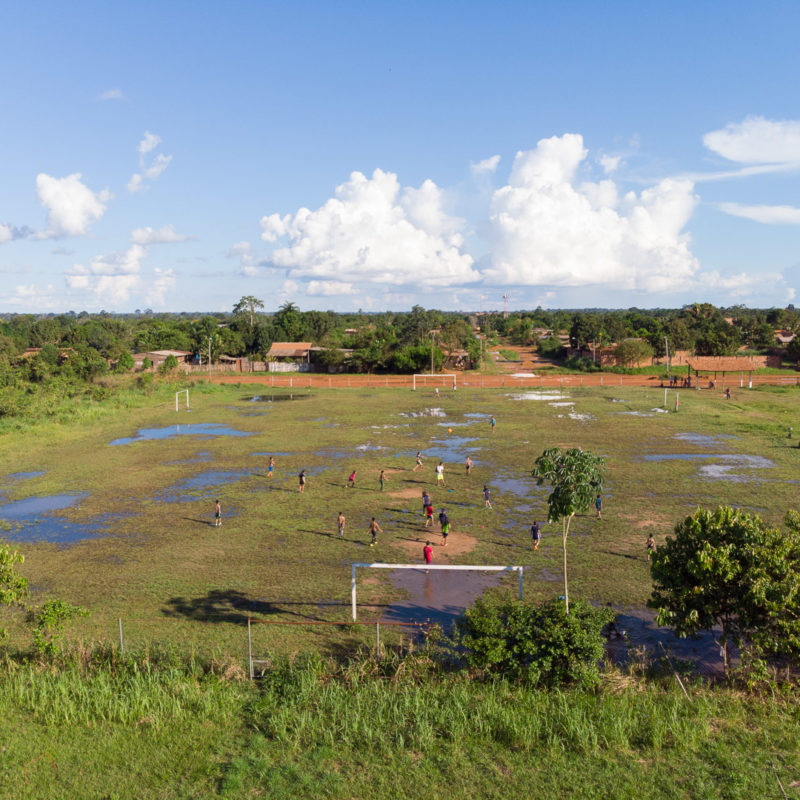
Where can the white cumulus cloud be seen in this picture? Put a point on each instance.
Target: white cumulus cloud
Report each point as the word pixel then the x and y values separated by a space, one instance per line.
pixel 163 281
pixel 372 230
pixel 71 205
pixel 548 230
pixel 769 215
pixel 757 141
pixel 329 288
pixel 148 143
pixel 164 235
pixel 488 165
pixel 110 278
pixel 150 167
pixel 111 94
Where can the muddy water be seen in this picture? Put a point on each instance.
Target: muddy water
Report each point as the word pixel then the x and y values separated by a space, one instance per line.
pixel 205 430
pixel 31 520
pixel 439 596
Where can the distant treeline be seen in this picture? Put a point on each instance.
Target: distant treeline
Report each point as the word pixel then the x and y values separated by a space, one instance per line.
pixel 369 342
pixel 700 328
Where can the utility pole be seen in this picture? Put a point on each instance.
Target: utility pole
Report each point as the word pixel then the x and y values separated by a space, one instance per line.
pixel 433 333
pixel 209 356
pixel 666 345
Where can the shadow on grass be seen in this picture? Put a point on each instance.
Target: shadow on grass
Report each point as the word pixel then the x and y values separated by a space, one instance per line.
pixel 199 521
pixel 623 555
pixel 229 605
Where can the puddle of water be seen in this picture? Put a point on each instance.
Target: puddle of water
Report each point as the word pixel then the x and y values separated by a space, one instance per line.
pixel 30 507
pixel 478 415
pixel 546 395
pixel 581 417
pixel 640 628
pixel 561 405
pixel 364 448
pixel 32 520
pixel 454 424
pixel 453 448
pixel 276 398
pixel 438 596
pixel 702 440
pixel 181 492
pixel 24 476
pixel 426 412
pixel 520 487
pixel 205 429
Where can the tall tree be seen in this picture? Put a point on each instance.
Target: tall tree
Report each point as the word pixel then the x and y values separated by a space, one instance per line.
pixel 576 478
pixel 249 305
pixel 728 569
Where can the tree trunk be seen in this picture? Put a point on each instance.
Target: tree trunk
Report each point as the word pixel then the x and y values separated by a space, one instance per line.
pixel 565 523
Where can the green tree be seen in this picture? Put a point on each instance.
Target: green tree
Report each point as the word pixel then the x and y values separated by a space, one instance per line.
pixel 728 569
pixel 539 644
pixel 13 586
pixel 249 305
pixel 125 362
pixel 169 364
pixel 576 478
pixel 630 352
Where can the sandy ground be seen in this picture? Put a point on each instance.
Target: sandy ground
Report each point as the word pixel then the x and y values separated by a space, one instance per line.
pixel 457 544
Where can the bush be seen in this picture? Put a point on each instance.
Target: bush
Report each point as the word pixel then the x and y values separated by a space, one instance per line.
pixel 536 644
pixel 582 363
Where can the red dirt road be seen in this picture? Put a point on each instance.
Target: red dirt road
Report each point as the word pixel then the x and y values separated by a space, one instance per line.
pixel 301 380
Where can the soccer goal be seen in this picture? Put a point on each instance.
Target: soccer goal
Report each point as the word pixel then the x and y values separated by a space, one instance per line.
pixel 426 567
pixel 177 394
pixel 423 379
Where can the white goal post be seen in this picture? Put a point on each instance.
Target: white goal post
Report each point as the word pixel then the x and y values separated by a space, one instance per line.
pixel 187 398
pixel 425 375
pixel 426 567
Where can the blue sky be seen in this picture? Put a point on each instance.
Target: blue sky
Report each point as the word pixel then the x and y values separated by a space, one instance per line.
pixel 177 156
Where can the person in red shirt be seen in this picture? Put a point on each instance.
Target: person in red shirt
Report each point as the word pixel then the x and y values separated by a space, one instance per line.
pixel 351 481
pixel 427 553
pixel 429 515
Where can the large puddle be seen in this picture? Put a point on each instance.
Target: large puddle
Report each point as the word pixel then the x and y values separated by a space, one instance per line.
pixel 725 466
pixel 276 398
pixel 452 448
pixel 32 520
pixel 199 486
pixel 205 430
pixel 439 595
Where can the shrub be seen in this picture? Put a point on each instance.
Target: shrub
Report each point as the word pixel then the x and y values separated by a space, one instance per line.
pixel 537 644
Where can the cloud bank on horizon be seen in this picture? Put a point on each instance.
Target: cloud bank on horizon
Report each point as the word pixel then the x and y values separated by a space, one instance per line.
pixel 562 220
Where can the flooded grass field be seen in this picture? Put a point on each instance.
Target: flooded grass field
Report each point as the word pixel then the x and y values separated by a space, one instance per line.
pixel 126 530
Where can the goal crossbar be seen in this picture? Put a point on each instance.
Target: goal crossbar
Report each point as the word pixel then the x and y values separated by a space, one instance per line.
pixel 426 567
pixel 179 392
pixel 426 375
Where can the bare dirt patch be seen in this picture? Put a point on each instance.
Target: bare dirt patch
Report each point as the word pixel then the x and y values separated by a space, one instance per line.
pixel 457 544
pixel 405 494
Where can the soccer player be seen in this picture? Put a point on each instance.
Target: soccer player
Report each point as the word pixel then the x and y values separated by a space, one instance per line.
pixel 487 503
pixel 217 514
pixel 270 466
pixel 374 529
pixel 340 520
pixel 536 534
pixel 351 481
pixel 302 478
pixel 440 474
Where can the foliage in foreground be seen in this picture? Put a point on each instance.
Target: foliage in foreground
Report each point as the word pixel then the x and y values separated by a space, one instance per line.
pixel 729 569
pixel 152 725
pixel 540 645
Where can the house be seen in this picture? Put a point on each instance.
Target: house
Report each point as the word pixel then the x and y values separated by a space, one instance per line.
pixel 158 357
pixel 289 357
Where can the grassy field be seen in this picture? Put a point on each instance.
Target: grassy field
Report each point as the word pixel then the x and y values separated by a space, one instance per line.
pixel 161 725
pixel 172 577
pixel 148 729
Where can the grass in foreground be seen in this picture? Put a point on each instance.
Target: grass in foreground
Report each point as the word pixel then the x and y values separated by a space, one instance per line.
pixel 310 729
